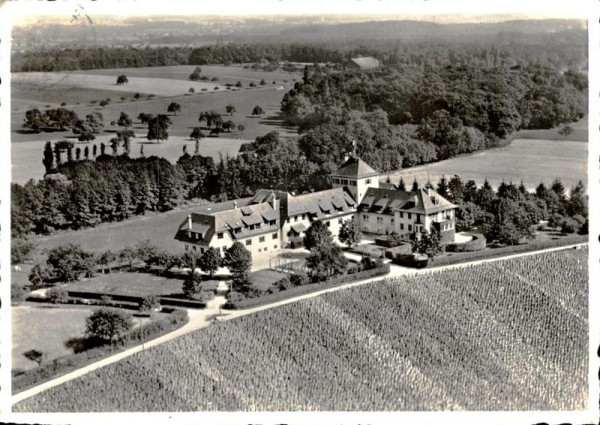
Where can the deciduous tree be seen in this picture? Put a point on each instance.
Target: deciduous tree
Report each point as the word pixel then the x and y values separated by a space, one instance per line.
pixel 107 324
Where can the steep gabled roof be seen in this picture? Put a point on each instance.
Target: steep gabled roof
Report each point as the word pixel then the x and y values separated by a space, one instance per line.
pixel 318 202
pixel 387 201
pixel 355 168
pixel 367 62
pixel 226 217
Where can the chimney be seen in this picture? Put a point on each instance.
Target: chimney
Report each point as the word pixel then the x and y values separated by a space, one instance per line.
pixel 189 222
pixel 235 206
pixel 274 202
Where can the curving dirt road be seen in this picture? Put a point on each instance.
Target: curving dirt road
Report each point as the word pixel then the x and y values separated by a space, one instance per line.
pixel 199 319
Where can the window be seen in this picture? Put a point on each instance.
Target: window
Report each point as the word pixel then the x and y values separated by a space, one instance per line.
pixel 328 223
pixel 296 218
pixel 238 230
pixel 261 239
pixel 392 220
pixel 248 242
pixel 186 247
pixel 352 183
pixel 401 214
pixel 303 216
pixel 410 228
pixel 259 249
pixel 220 235
pixel 341 221
pixel 266 249
pixel 289 233
pixel 368 181
pixel 365 217
pixel 401 226
pixel 274 246
pixel 287 220
pixel 202 250
pixel 379 219
pixel 193 248
pixel 274 235
pixel 409 216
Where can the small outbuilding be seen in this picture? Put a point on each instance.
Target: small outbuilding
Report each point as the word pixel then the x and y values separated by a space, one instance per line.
pixel 363 63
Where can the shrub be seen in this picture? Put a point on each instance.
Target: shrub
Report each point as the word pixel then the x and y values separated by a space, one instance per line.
pixel 57 296
pixel 149 303
pixel 103 103
pixel 283 283
pixel 299 279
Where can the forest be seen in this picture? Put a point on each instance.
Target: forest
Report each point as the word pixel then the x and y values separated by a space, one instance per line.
pixel 404 116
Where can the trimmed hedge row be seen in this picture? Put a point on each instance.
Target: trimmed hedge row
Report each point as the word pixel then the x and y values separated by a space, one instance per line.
pixel 461 257
pixel 170 301
pixel 306 289
pixel 476 244
pixel 69 363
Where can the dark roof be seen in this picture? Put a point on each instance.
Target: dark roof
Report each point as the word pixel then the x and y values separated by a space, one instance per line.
pixel 215 219
pixel 367 62
pixel 318 203
pixel 355 168
pixel 387 201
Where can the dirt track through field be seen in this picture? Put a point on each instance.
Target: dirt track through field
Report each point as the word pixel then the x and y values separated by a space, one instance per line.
pixel 199 319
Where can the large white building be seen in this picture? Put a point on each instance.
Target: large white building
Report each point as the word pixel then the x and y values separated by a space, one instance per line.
pixel 272 220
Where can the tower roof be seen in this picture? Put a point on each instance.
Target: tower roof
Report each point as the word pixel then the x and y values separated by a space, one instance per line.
pixel 355 168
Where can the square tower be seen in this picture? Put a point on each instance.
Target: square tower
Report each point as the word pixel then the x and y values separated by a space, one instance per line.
pixel 357 176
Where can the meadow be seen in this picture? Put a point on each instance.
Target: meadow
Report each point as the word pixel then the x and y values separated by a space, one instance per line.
pixel 529 160
pixel 508 335
pixel 82 93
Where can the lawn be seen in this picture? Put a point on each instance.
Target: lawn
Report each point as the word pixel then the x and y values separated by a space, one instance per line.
pixel 264 279
pixel 47 329
pixel 505 336
pixel 530 160
pixel 160 229
pixel 126 283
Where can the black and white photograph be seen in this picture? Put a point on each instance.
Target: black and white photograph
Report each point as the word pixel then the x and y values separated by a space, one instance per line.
pixel 375 208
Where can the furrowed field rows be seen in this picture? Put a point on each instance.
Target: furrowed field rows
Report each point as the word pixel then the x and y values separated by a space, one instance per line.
pixel 508 335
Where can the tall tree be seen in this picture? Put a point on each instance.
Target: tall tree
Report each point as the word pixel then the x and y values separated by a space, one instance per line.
pixel 350 233
pixel 48 159
pixel 210 261
pixel 317 234
pixel 238 259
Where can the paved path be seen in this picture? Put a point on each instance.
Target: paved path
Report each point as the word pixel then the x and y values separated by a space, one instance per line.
pixel 199 319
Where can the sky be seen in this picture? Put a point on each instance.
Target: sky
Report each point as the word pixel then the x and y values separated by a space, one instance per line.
pixel 437 10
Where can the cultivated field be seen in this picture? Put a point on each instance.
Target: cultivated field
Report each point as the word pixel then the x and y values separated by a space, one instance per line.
pixel 225 74
pixel 27 157
pixel 530 160
pixel 508 335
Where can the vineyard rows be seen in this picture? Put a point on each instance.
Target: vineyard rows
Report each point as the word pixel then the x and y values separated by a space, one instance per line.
pixel 507 335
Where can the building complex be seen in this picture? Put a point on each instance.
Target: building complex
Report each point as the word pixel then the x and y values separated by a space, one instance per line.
pixel 273 220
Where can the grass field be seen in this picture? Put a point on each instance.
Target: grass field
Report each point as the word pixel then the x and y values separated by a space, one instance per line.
pixel 45 329
pixel 508 335
pixel 225 74
pixel 125 283
pixel 530 160
pixel 27 163
pixel 78 91
pixel 160 229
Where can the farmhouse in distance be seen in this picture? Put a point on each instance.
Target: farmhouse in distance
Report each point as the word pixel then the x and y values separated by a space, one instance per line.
pixel 274 220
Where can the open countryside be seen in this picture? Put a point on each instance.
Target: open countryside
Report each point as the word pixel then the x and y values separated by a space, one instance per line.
pixel 435 341
pixel 373 224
